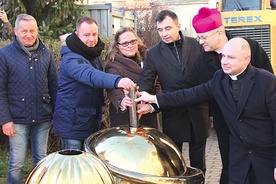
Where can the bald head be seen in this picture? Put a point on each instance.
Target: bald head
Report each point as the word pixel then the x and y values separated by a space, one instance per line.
pixel 239 46
pixel 236 56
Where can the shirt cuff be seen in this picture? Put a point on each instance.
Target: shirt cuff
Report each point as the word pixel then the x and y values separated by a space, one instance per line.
pixel 117 82
pixel 152 108
pixel 156 101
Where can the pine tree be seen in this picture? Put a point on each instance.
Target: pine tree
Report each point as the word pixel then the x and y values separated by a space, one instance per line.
pixel 54 17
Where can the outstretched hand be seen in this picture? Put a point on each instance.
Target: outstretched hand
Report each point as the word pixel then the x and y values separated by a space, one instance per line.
pixel 126 102
pixel 143 109
pixel 142 97
pixel 125 83
pixel 145 97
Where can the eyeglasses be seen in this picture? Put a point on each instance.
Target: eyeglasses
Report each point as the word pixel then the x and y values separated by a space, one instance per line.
pixel 131 42
pixel 204 38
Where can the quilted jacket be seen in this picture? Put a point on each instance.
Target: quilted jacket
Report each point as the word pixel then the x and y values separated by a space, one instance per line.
pixel 80 95
pixel 28 85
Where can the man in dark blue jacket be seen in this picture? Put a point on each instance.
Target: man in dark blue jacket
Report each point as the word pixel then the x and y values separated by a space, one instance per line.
pixel 28 86
pixel 79 101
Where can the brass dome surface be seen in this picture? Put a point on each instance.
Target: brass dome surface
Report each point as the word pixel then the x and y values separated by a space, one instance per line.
pixel 147 151
pixel 70 167
pixel 141 155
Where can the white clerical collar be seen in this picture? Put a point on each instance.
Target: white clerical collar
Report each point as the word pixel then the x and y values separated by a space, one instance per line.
pixel 234 77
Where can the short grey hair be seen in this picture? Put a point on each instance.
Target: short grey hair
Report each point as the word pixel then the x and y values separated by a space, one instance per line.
pixel 24 17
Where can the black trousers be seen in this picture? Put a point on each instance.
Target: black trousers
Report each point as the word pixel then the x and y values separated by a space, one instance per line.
pixel 223 135
pixel 196 153
pixel 250 177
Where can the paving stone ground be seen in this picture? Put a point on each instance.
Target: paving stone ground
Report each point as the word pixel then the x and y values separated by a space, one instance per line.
pixel 213 160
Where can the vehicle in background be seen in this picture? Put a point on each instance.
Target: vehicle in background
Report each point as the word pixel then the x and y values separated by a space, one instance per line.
pixel 255 19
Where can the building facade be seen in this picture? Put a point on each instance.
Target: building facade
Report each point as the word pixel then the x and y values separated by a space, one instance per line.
pixel 185 9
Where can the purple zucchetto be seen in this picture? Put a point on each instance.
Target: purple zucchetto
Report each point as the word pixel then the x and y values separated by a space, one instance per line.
pixel 207 20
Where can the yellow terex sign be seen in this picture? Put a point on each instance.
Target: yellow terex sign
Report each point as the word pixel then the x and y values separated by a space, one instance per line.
pixel 242 19
pixel 245 18
pixel 239 20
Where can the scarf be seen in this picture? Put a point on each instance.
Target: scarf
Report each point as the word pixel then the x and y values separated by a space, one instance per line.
pixel 28 50
pixel 76 45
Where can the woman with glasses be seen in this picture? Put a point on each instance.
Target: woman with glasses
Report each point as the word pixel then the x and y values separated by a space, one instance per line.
pixel 125 58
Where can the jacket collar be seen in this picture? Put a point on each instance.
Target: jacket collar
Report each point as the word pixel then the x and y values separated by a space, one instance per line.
pixel 168 55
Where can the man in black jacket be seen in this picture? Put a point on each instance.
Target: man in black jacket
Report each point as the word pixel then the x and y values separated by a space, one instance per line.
pixel 247 98
pixel 171 59
pixel 212 36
